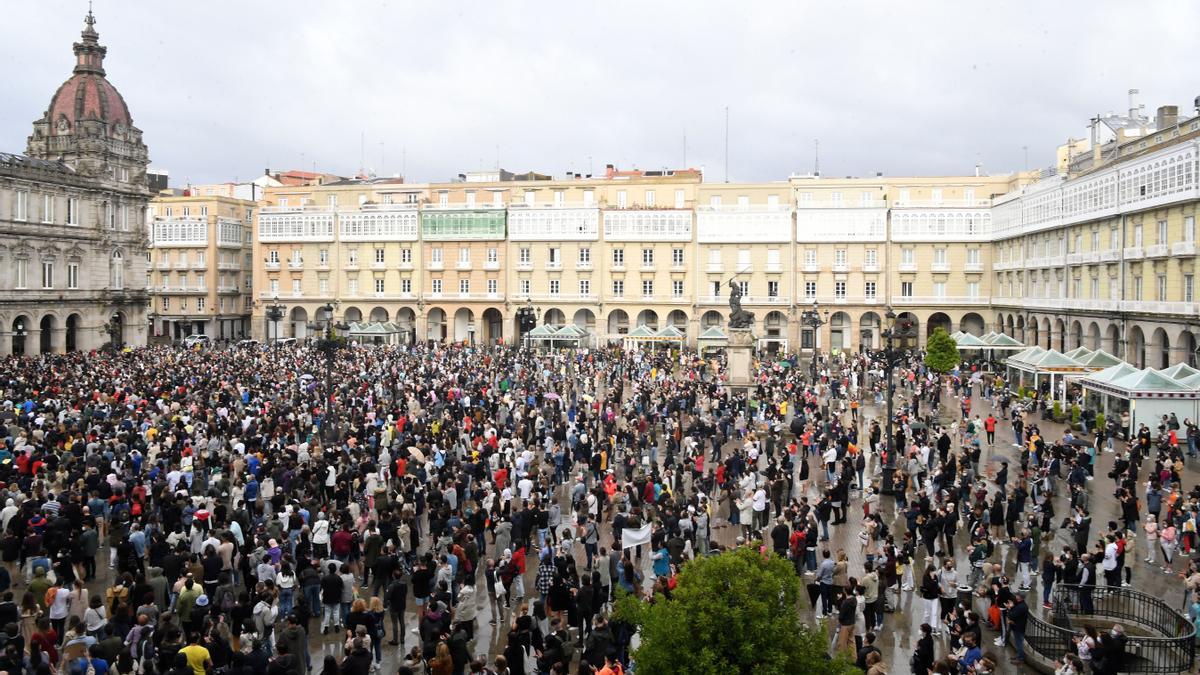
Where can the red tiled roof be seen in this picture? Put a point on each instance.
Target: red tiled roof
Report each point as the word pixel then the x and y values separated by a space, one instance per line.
pixel 88 96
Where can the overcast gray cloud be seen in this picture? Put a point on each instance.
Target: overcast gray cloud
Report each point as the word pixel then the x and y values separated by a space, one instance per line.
pixel 223 89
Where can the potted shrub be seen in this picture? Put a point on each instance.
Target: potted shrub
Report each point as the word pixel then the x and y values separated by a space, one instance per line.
pixel 1099 422
pixel 1076 414
pixel 1021 391
pixel 1056 412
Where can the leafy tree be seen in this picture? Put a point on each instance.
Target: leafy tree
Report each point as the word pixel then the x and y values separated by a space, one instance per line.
pixel 735 612
pixel 941 351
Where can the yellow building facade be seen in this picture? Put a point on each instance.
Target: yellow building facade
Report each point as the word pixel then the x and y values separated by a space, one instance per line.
pixel 1106 258
pixel 199 269
pixel 1102 256
pixel 920 245
pixel 457 261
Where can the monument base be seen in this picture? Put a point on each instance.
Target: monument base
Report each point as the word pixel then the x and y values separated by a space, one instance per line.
pixel 740 358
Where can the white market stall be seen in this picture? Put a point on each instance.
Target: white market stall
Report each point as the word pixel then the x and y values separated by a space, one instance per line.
pixel 1049 364
pixel 377 332
pixel 711 339
pixel 644 335
pixel 1146 394
pixel 550 337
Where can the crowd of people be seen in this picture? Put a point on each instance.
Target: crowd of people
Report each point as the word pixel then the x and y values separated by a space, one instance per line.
pixel 217 510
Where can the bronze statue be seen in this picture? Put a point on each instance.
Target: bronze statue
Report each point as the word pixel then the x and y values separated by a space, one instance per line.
pixel 738 317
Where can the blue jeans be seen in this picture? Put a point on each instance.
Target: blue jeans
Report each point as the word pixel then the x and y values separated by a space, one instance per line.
pixel 1018 638
pixel 287 598
pixel 312 594
pixel 826 599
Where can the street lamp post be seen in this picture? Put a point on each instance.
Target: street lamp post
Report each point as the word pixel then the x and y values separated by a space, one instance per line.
pixel 19 334
pixel 328 344
pixel 274 314
pixel 893 355
pixel 814 319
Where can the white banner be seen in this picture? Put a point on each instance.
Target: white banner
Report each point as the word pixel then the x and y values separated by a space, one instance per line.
pixel 635 537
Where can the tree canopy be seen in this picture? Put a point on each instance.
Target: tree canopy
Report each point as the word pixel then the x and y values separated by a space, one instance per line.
pixel 941 351
pixel 735 612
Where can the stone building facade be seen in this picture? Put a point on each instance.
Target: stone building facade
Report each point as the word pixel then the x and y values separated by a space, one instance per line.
pixel 72 220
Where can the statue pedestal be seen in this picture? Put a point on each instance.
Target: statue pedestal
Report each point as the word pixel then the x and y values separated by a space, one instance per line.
pixel 740 356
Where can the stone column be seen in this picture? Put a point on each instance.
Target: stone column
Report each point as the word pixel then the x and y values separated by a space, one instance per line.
pixel 508 326
pixel 5 343
pixel 33 342
pixel 58 340
pixel 422 325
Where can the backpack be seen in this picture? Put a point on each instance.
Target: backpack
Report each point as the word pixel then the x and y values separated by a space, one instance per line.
pixel 227 600
pixel 507 573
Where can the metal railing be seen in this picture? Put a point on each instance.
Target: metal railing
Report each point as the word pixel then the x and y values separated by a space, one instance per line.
pixel 1172 648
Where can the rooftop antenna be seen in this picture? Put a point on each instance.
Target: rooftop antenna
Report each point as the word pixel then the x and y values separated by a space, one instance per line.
pixel 726 144
pixel 404 162
pixel 497 156
pixel 362 152
pixel 1025 149
pixel 685 147
pixel 382 155
pixel 816 157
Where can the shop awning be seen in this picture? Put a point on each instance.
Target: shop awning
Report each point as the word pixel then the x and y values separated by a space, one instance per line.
pixel 1078 354
pixel 968 341
pixel 374 328
pixel 1180 371
pixel 1002 342
pixel 1099 360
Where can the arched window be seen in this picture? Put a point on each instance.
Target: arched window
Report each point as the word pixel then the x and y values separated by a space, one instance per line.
pixel 117 271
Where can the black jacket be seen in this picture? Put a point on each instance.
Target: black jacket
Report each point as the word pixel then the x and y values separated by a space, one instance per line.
pixel 331 589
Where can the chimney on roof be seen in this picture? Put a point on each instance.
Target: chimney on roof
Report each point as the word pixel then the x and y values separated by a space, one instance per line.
pixel 1168 116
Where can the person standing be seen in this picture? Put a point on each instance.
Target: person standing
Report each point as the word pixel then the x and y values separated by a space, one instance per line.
pixel 923 656
pixel 1151 529
pixel 1050 572
pixel 1018 617
pixel 825 582
pixel 331 599
pixel 397 597
pixel 198 657
pixel 930 592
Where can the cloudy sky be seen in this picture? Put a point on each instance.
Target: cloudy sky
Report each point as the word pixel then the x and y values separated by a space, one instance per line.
pixel 223 88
